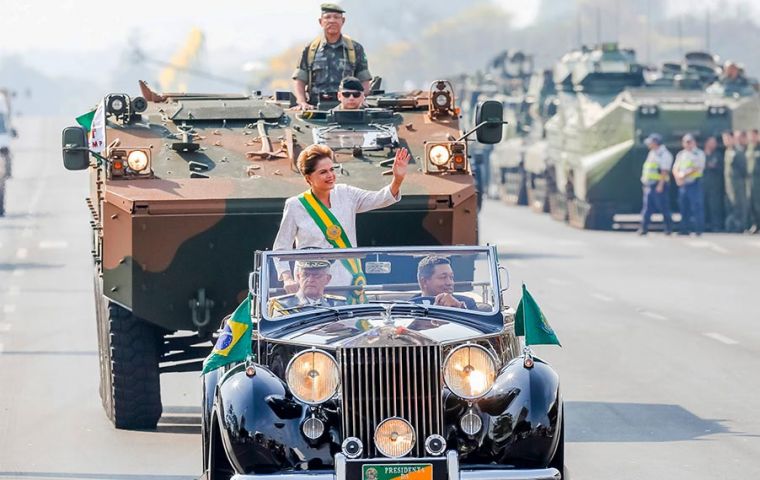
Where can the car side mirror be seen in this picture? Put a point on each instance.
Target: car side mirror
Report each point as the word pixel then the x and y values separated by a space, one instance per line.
pixel 503 279
pixel 76 155
pixel 491 115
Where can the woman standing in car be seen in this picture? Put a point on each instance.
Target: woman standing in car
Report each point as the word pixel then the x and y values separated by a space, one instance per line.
pixel 324 216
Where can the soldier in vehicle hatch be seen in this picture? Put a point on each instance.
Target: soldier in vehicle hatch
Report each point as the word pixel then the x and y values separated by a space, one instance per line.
pixel 351 94
pixel 328 59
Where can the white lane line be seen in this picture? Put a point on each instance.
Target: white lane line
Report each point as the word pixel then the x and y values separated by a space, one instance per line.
pixel 653 315
pixel 706 244
pixel 720 338
pixel 17 272
pixel 9 308
pixel 26 233
pixel 5 327
pixel 53 244
pixel 22 253
pixel 603 297
pixel 14 291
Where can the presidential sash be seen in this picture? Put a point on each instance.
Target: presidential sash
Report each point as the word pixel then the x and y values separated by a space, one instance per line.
pixel 335 236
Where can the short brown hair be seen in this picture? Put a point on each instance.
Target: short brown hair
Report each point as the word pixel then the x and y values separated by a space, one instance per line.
pixel 310 156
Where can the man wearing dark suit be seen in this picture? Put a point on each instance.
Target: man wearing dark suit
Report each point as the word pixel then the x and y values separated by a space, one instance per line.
pixel 436 279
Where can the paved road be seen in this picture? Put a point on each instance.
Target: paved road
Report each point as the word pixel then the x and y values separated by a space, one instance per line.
pixel 659 363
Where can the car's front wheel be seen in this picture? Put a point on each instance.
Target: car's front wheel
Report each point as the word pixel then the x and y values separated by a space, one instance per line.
pixel 130 385
pixel 558 461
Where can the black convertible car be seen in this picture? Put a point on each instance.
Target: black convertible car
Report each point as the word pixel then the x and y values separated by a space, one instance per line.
pixel 414 372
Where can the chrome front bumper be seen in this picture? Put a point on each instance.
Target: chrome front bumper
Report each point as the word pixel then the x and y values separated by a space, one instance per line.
pixel 452 464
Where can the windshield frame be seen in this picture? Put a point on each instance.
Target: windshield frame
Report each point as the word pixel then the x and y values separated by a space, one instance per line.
pixel 491 320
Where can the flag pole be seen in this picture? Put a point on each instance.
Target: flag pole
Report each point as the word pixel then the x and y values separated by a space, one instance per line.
pixel 527 352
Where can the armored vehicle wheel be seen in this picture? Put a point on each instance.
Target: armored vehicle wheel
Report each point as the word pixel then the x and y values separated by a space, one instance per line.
pixel 129 377
pixel 2 198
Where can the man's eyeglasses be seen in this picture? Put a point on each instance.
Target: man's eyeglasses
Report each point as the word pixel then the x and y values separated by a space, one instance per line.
pixel 354 94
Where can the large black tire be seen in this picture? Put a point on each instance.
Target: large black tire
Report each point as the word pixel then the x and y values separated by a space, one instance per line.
pixel 217 465
pixel 2 197
pixel 558 461
pixel 130 350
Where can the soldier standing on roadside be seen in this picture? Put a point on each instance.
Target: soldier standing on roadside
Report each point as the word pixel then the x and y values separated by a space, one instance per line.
pixel 735 173
pixel 753 187
pixel 328 59
pixel 714 185
pixel 655 178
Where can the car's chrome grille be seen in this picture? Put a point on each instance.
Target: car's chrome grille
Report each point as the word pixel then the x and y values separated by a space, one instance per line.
pixel 384 382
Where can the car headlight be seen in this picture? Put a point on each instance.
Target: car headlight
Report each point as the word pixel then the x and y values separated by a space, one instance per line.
pixel 439 155
pixel 137 161
pixel 394 437
pixel 469 371
pixel 312 376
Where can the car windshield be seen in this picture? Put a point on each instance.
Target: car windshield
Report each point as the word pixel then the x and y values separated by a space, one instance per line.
pixel 459 279
pixel 366 137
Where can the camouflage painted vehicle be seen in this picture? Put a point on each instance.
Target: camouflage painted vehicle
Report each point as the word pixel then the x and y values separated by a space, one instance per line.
pixel 189 185
pixel 595 147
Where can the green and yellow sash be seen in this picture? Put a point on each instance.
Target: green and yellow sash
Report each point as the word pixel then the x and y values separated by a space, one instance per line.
pixel 336 236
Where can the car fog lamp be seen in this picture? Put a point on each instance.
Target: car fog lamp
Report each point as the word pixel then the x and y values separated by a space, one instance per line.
pixel 312 377
pixel 394 437
pixel 137 160
pixel 471 423
pixel 352 447
pixel 439 155
pixel 469 371
pixel 313 428
pixel 435 445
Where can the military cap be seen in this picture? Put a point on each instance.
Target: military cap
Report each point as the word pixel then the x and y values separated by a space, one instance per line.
pixel 653 138
pixel 312 264
pixel 331 7
pixel 351 83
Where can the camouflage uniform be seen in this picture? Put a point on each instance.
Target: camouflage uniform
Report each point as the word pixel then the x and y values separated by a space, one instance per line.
pixel 735 164
pixel 714 191
pixel 286 302
pixel 331 64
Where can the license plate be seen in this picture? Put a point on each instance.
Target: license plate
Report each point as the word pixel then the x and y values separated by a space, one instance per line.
pixel 398 471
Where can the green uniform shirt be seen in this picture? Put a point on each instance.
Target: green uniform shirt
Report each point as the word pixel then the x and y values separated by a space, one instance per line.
pixel 331 65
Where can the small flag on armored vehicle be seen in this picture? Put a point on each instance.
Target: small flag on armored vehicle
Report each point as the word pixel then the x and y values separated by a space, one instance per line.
pixel 234 343
pixel 531 323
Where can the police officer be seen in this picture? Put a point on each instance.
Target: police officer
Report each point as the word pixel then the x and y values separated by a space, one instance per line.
pixel 687 171
pixel 655 179
pixel 327 59
pixel 735 173
pixel 713 185
pixel 312 277
pixel 753 171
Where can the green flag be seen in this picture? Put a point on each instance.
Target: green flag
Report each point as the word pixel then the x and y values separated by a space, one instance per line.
pixel 234 343
pixel 86 120
pixel 531 323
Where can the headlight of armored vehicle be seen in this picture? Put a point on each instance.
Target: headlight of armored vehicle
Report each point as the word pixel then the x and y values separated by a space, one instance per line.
pixel 137 160
pixel 312 376
pixel 469 371
pixel 439 155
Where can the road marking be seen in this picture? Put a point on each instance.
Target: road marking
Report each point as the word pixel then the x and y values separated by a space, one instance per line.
pixel 5 327
pixel 721 338
pixel 22 253
pixel 26 233
pixel 653 315
pixel 53 244
pixel 709 245
pixel 9 308
pixel 14 291
pixel 557 281
pixel 603 297
pixel 755 243
pixel 17 272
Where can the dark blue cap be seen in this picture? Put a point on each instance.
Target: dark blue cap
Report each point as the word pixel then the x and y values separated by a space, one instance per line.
pixel 653 138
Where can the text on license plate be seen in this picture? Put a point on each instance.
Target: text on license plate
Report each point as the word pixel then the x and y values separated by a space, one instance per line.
pixel 398 471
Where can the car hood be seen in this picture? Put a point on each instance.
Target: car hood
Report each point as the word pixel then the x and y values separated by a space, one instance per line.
pixel 381 332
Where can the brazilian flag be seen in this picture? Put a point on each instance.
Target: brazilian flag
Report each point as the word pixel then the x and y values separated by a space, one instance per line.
pixel 531 323
pixel 234 343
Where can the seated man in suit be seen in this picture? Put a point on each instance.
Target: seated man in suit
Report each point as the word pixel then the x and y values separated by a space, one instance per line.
pixel 436 279
pixel 312 277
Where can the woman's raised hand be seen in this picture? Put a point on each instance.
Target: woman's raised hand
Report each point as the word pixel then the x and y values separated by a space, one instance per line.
pixel 400 164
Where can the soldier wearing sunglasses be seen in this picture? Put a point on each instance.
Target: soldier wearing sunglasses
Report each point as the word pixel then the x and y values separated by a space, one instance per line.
pixel 351 94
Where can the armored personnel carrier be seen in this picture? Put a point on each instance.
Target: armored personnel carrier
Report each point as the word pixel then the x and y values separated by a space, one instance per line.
pixel 595 146
pixel 188 186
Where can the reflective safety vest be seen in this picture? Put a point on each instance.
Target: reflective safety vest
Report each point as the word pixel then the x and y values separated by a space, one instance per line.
pixel 651 171
pixel 687 164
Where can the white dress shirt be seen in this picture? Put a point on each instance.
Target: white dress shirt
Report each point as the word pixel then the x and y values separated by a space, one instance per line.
pixel 345 202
